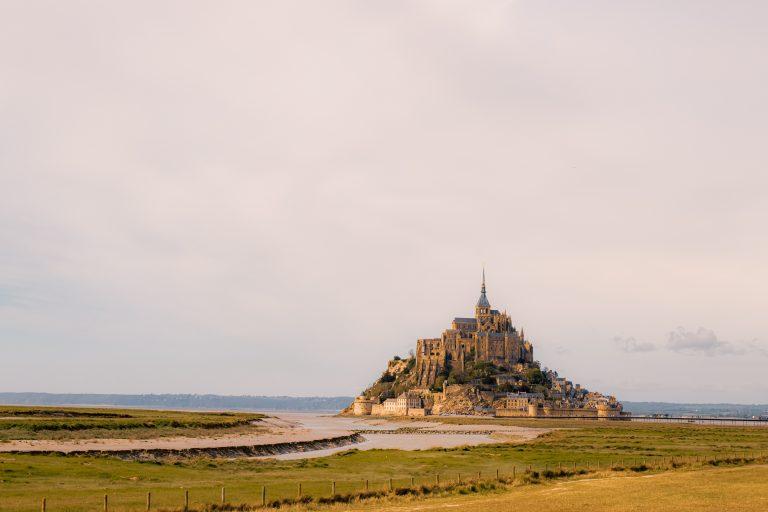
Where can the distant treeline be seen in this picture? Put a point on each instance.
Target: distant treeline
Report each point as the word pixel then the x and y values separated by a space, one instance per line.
pixel 172 401
pixel 724 410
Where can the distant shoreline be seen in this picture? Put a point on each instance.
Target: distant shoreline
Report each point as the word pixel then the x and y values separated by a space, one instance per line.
pixel 334 404
pixel 180 401
pixel 169 408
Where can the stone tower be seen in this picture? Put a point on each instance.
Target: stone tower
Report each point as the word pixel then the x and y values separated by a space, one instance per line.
pixel 483 307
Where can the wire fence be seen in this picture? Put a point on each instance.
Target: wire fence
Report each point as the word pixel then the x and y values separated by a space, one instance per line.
pixel 248 495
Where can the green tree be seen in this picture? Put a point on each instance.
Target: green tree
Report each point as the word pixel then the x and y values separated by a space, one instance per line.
pixel 456 377
pixel 438 385
pixel 535 376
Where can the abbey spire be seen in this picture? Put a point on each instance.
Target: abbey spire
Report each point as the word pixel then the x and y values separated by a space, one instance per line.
pixel 483 307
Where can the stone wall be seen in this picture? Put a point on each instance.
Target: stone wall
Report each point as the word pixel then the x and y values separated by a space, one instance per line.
pixel 538 410
pixel 511 413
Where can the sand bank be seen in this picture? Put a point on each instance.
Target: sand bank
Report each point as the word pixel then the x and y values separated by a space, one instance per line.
pixel 296 435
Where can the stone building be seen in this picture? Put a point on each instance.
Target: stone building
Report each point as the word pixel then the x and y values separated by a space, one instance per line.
pixel 521 400
pixel 489 336
pixel 407 404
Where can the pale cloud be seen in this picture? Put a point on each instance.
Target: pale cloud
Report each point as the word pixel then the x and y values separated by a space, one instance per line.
pixel 699 342
pixel 705 341
pixel 632 345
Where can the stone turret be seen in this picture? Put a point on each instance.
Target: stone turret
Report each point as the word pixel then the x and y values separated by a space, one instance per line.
pixel 362 406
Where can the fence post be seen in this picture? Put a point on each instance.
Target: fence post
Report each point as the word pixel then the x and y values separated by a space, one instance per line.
pixel 299 490
pixel 478 475
pixel 186 500
pixel 223 495
pixel 437 479
pixel 366 484
pixel 333 488
pixel 149 501
pixel 514 470
pixel 458 477
pixel 390 484
pixel 263 495
pixel 42 505
pixel 497 473
pixel 413 482
pixel 106 503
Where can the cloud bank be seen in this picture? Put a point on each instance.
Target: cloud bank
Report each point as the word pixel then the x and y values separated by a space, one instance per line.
pixel 699 342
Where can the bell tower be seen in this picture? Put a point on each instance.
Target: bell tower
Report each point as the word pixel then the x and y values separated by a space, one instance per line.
pixel 483 307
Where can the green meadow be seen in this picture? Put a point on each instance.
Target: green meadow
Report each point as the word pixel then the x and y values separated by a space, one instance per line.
pixel 75 483
pixel 63 423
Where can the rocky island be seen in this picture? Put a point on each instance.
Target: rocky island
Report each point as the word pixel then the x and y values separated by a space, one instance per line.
pixel 481 365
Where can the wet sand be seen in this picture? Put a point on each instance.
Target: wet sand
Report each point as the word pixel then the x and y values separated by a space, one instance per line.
pixel 418 435
pixel 302 427
pixel 275 430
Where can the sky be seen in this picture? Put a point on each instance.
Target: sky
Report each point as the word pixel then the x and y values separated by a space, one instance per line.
pixel 275 197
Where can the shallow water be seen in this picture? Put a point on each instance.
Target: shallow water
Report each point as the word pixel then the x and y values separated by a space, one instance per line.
pixel 328 426
pixel 299 427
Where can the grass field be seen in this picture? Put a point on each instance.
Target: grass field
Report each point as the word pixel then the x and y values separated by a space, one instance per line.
pixel 742 489
pixel 93 423
pixel 79 483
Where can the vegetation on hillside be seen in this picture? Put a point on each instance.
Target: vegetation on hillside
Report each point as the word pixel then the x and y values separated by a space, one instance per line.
pixel 400 376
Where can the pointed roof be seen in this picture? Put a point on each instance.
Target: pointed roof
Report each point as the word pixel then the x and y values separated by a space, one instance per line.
pixel 482 302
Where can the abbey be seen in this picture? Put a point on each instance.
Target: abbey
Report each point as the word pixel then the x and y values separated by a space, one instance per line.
pixel 489 337
pixel 481 365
